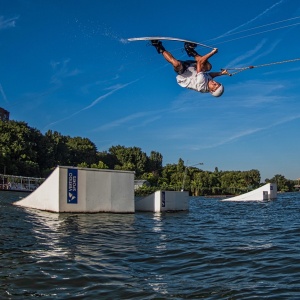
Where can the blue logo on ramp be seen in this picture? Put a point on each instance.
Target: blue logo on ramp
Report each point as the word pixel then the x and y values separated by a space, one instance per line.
pixel 163 199
pixel 72 186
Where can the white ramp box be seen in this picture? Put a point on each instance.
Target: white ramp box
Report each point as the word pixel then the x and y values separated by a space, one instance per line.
pixel 70 189
pixel 161 201
pixel 266 192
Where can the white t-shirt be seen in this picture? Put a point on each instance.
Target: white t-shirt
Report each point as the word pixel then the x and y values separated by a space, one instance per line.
pixel 190 79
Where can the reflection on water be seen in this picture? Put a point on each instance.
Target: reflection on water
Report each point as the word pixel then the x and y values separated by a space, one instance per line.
pixel 217 250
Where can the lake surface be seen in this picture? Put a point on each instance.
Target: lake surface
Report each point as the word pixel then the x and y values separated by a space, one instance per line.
pixel 216 250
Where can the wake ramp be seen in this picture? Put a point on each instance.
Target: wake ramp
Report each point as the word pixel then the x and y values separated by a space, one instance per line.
pixel 266 192
pixel 86 190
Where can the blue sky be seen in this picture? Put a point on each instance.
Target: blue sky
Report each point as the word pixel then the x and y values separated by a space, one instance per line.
pixel 66 66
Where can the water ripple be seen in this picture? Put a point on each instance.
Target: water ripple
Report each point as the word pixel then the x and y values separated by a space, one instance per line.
pixel 217 250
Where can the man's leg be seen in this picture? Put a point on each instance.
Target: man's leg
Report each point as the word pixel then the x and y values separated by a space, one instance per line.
pixel 173 61
pixel 167 55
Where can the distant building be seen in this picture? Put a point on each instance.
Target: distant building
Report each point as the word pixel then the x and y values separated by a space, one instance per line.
pixel 139 183
pixel 297 186
pixel 4 114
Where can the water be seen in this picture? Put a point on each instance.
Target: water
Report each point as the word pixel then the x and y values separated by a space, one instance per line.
pixel 217 250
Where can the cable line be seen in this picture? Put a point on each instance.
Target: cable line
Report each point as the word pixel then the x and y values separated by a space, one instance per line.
pixel 258 33
pixel 238 70
pixel 229 34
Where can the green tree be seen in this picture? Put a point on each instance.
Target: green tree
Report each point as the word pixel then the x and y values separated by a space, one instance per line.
pixel 251 178
pixel 131 158
pixel 83 165
pixel 167 172
pixel 230 182
pixel 100 165
pixel 108 159
pixel 81 150
pixel 283 184
pixel 201 183
pixel 151 178
pixel 155 162
pixel 19 146
pixel 127 166
pixel 180 166
pixel 58 151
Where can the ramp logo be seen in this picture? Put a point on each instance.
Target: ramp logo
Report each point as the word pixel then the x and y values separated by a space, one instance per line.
pixel 72 186
pixel 163 199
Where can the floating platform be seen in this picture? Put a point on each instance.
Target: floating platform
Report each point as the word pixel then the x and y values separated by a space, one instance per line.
pixel 19 183
pixel 84 190
pixel 162 201
pixel 266 192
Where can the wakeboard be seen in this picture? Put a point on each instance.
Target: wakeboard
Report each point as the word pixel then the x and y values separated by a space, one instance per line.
pixel 161 38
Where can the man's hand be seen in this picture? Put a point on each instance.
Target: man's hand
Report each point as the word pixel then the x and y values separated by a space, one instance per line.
pixel 214 51
pixel 225 72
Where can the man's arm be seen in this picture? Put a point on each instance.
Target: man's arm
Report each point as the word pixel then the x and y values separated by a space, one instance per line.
pixel 210 54
pixel 215 74
pixel 202 61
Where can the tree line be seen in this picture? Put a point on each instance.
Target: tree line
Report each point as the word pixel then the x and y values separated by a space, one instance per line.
pixel 25 151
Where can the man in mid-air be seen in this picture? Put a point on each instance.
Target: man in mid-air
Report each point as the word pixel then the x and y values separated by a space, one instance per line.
pixel 193 74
